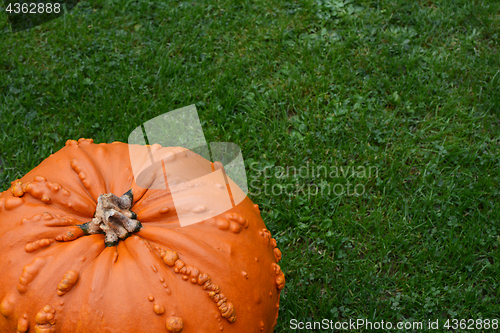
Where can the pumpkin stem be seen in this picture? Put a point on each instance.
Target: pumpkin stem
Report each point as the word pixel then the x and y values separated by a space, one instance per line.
pixel 113 218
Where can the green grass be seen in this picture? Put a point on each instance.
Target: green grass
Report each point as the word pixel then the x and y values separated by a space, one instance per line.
pixel 410 88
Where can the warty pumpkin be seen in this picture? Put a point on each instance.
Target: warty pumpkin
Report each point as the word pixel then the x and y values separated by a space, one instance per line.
pixel 85 249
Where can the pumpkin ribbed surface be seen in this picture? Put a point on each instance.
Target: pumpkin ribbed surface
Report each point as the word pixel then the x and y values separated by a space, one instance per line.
pixel 141 271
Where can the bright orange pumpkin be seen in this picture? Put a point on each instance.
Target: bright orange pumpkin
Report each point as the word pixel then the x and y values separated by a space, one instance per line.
pixel 64 270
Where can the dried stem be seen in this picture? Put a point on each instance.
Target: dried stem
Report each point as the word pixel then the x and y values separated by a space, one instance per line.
pixel 114 218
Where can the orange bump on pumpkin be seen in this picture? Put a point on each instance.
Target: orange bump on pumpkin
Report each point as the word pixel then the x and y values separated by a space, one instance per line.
pixel 70 235
pixel 30 272
pixel 67 282
pixel 222 223
pixel 256 207
pixel 174 324
pixel 277 254
pixel 36 245
pixel 47 216
pixel 179 265
pixel 85 141
pixel 235 228
pixel 23 324
pixel 17 189
pixel 71 143
pixel 40 179
pixel 7 305
pixel 280 279
pixel 65 224
pixel 170 257
pixel 13 203
pixel 273 243
pixel 164 210
pixel 159 309
pixel 45 320
pixel 241 220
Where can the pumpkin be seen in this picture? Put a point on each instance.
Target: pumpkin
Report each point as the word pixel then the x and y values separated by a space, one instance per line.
pixel 85 249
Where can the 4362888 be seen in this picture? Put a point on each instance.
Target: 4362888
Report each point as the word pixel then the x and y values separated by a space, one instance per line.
pixel 33 8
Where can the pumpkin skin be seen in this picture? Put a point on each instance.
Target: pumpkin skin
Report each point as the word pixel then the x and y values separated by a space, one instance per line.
pixel 54 278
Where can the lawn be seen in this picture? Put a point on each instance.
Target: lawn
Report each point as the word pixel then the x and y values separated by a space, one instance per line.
pixel 370 132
